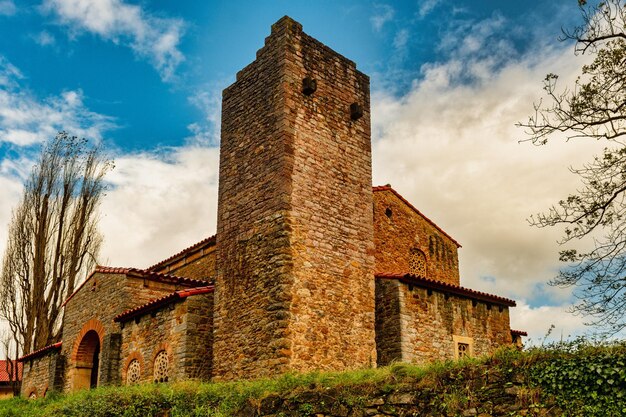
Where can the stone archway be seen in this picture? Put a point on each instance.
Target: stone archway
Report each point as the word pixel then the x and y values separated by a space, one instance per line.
pixel 87 362
pixel 85 356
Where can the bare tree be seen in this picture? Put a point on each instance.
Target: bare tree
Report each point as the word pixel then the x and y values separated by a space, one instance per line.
pixel 53 239
pixel 593 108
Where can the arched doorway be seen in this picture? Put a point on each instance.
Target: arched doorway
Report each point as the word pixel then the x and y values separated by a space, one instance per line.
pixel 87 362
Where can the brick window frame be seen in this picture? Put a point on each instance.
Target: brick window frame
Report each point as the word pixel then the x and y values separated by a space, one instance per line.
pixel 462 344
pixel 134 356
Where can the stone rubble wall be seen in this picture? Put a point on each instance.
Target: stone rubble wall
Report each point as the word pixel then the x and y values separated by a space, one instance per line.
pixel 42 375
pixel 102 298
pixel 332 307
pixel 183 329
pixel 429 319
pixel 201 266
pixel 398 231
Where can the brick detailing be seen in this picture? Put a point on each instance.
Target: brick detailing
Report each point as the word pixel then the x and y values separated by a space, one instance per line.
pixel 78 349
pixel 400 230
pixel 133 356
pixel 295 288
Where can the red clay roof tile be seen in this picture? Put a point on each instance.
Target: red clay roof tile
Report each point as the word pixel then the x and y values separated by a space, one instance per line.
pixel 209 241
pixel 448 288
pixel 41 352
pixel 159 302
pixel 518 333
pixel 141 273
pixel 4 374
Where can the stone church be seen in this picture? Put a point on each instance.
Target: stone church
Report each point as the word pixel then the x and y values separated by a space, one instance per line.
pixel 311 268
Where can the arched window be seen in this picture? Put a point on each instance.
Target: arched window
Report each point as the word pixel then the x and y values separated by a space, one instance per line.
pixel 133 372
pixel 417 263
pixel 32 395
pixel 161 367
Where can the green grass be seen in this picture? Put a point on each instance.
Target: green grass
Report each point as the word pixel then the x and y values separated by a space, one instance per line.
pixel 589 379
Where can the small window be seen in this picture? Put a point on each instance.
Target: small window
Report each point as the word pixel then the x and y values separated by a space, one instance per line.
pixel 417 263
pixel 462 349
pixel 388 212
pixel 463 346
pixel 161 367
pixel 133 372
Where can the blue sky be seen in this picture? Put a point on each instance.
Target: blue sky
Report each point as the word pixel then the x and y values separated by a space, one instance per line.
pixel 449 81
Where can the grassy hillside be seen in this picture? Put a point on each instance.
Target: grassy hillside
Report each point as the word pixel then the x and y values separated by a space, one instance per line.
pixel 578 379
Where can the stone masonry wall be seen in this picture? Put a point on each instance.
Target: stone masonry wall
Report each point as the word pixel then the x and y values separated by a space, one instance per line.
pixel 295 287
pixel 429 320
pixel 201 267
pixel 332 308
pixel 388 324
pixel 97 303
pixel 398 229
pixel 254 257
pixel 182 329
pixel 40 374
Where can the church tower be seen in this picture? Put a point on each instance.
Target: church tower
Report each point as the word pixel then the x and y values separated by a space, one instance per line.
pixel 295 281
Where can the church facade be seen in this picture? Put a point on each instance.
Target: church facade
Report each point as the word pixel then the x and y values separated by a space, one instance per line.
pixel 311 267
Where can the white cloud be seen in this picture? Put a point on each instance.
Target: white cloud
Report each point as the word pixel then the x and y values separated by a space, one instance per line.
pixel 44 38
pixel 451 148
pixel 27 120
pixel 401 38
pixel 159 204
pixel 7 8
pixel 538 322
pixel 427 6
pixel 209 101
pixel 384 14
pixel 149 36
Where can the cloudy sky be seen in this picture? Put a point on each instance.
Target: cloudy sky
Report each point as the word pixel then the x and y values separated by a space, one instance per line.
pixel 449 82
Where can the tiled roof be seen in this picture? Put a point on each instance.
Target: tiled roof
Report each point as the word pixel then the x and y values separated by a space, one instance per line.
pixel 209 241
pixel 449 288
pixel 40 352
pixel 140 273
pixel 4 374
pixel 159 302
pixel 388 188
pixel 518 333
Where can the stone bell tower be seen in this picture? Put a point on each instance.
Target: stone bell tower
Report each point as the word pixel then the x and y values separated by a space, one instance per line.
pixel 295 283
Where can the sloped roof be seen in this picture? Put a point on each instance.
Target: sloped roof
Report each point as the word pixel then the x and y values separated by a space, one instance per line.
pixel 444 287
pixel 140 273
pixel 4 374
pixel 518 333
pixel 204 243
pixel 160 302
pixel 41 352
pixel 405 201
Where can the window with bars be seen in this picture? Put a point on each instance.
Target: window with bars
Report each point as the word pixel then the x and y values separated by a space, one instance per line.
pixel 417 263
pixel 133 372
pixel 462 350
pixel 161 367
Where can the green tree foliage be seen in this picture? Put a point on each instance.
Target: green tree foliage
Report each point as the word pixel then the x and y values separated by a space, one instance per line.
pixel 593 108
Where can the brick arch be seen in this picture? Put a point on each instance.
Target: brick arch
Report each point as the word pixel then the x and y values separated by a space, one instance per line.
pixel 30 392
pixel 162 346
pixel 91 325
pixel 134 355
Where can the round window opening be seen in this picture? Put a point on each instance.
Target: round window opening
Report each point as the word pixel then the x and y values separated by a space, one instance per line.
pixel 133 373
pixel 161 367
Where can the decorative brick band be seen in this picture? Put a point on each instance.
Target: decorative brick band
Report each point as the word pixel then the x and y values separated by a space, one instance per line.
pixel 93 324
